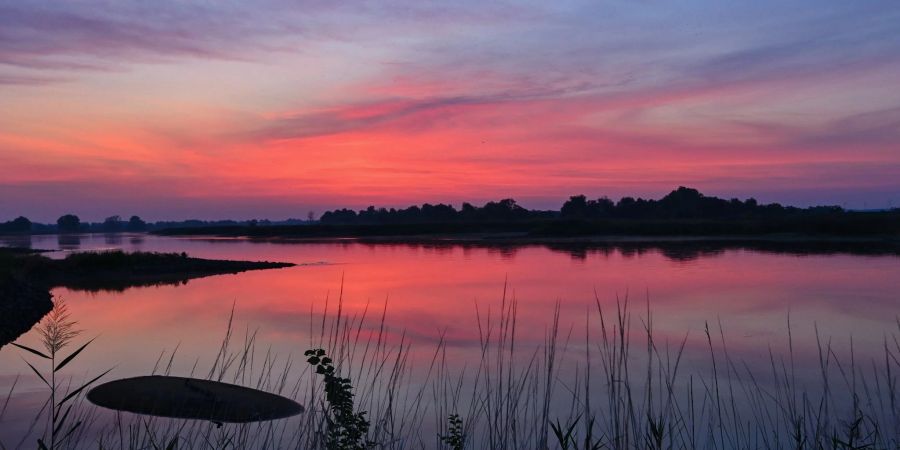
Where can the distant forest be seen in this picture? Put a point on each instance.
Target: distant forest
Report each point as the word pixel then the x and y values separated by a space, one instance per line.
pixel 682 203
pixel 70 223
pixel 682 211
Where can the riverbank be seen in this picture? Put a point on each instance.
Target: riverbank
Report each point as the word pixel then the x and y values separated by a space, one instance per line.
pixel 680 246
pixel 800 227
pixel 117 270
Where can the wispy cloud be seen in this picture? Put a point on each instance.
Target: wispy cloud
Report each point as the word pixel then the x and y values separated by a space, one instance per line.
pixel 30 80
pixel 74 35
pixel 392 101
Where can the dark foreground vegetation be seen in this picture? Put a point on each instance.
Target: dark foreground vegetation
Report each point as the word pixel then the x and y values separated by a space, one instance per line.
pixel 619 386
pixel 22 304
pixel 683 212
pixel 26 277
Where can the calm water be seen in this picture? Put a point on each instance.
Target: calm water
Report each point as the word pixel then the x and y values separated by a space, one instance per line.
pixel 433 292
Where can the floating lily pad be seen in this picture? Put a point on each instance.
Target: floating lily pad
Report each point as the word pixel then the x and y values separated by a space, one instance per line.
pixel 191 398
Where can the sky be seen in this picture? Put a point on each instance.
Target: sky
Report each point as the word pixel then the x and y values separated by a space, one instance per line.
pixel 243 109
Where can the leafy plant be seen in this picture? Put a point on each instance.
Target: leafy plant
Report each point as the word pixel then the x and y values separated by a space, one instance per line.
pixel 57 331
pixel 565 434
pixel 566 437
pixel 346 429
pixel 455 438
pixel 854 439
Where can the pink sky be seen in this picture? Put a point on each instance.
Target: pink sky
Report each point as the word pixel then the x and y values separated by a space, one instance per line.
pixel 274 109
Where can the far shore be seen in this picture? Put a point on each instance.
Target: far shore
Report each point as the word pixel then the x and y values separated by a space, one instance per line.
pixel 525 239
pixel 676 246
pixel 406 234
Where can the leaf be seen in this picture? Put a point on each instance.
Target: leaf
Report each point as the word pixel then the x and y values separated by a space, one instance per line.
pixel 76 391
pixel 29 349
pixel 37 373
pixel 72 356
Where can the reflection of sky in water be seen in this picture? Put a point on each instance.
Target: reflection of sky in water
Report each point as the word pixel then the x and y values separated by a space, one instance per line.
pixel 433 291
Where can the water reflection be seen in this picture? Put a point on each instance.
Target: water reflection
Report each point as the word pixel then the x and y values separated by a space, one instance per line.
pixel 432 310
pixel 68 241
pixel 113 239
pixel 674 250
pixel 19 240
pixel 683 250
pixel 136 241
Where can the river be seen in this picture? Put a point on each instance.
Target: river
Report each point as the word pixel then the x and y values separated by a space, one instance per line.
pixel 433 296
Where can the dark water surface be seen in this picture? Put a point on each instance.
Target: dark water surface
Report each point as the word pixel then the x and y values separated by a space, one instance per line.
pixel 435 293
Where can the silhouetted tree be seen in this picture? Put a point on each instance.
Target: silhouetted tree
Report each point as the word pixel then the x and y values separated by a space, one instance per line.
pixel 339 216
pixel 18 225
pixel 21 224
pixel 626 207
pixel 681 203
pixel 505 209
pixel 68 223
pixel 468 211
pixel 575 207
pixel 602 207
pixel 578 207
pixel 135 223
pixel 112 224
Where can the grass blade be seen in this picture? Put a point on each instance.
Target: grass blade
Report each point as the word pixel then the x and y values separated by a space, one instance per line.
pixel 6 403
pixel 29 349
pixel 36 372
pixel 76 391
pixel 72 356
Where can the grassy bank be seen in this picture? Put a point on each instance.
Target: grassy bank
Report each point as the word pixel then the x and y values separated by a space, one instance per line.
pixel 117 270
pixel 26 277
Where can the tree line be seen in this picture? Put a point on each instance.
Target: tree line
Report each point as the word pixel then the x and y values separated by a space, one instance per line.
pixel 71 223
pixel 682 203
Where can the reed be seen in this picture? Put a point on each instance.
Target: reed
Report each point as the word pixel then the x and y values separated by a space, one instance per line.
pixel 56 331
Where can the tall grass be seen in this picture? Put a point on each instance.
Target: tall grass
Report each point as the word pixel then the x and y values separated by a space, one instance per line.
pixel 56 330
pixel 620 387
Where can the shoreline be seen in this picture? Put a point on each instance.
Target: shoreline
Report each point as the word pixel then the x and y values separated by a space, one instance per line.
pixel 525 239
pixel 680 248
